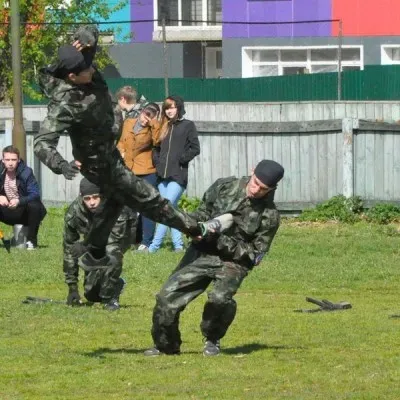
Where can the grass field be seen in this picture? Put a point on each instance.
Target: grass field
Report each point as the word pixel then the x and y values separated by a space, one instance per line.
pixel 270 352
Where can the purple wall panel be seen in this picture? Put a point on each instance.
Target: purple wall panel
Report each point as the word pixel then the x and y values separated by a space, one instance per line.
pixel 142 9
pixel 305 10
pixel 270 11
pixel 276 10
pixel 234 10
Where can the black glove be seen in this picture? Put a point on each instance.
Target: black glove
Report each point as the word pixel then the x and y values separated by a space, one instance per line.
pixel 73 299
pixel 69 170
pixel 78 249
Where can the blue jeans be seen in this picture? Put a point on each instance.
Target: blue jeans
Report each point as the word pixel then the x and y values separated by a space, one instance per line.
pixel 148 226
pixel 172 191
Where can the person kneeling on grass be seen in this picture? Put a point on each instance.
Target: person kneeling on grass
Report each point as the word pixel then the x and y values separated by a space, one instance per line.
pixel 224 257
pixel 101 284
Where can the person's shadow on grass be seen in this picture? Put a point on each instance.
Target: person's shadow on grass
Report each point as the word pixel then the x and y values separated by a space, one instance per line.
pixel 250 348
pixel 101 353
pixel 244 349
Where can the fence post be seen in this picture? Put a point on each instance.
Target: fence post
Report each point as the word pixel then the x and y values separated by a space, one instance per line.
pixel 8 132
pixel 348 125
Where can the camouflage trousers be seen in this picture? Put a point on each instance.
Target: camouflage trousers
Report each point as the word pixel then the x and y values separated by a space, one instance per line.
pixel 100 285
pixel 121 187
pixel 191 278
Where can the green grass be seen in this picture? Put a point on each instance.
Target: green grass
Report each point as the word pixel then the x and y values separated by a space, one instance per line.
pixel 270 352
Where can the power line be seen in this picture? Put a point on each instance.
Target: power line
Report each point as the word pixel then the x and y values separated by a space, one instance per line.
pixel 314 21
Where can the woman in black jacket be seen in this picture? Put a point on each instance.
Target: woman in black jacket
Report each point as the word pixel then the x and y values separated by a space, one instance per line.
pixel 179 145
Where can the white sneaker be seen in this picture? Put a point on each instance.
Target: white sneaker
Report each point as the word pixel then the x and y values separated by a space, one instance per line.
pixel 30 245
pixel 143 248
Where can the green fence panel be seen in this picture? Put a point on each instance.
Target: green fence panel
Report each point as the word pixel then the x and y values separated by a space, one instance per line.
pixel 375 82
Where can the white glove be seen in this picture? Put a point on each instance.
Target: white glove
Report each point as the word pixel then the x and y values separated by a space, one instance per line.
pixel 217 224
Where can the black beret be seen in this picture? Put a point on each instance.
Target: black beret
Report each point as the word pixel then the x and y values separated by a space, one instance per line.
pixel 87 188
pixel 70 60
pixel 269 172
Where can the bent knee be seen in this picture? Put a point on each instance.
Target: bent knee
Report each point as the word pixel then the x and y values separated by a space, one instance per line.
pixel 221 299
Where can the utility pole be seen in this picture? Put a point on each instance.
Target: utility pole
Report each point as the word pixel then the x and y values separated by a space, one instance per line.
pixel 339 59
pixel 18 132
pixel 165 57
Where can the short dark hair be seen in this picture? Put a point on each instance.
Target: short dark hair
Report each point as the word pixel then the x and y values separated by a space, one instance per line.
pixel 11 149
pixel 128 92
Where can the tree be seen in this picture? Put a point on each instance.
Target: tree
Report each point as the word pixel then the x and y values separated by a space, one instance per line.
pixel 39 42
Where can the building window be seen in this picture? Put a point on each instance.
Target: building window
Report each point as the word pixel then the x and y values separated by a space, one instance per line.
pixel 213 62
pixel 191 12
pixel 272 61
pixel 390 54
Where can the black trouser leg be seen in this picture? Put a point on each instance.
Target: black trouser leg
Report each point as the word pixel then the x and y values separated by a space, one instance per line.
pixel 33 218
pixel 11 216
pixel 29 215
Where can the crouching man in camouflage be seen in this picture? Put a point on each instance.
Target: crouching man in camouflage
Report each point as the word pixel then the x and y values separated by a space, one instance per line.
pixel 223 257
pixel 102 284
pixel 81 106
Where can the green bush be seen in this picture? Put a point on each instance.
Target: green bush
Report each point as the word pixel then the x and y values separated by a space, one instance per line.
pixel 338 208
pixel 383 213
pixel 188 204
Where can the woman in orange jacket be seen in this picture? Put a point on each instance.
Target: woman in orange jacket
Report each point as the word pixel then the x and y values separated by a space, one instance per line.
pixel 139 136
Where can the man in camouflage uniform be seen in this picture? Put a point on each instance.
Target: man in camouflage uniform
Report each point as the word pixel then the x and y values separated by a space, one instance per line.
pixel 102 285
pixel 80 104
pixel 224 258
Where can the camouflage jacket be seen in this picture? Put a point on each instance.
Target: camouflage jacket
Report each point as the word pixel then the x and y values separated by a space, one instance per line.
pixel 86 113
pixel 256 222
pixel 76 223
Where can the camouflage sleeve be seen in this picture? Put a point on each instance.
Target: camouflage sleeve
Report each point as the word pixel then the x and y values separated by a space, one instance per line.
pixel 119 240
pixel 118 118
pixel 251 253
pixel 204 211
pixel 58 120
pixel 71 236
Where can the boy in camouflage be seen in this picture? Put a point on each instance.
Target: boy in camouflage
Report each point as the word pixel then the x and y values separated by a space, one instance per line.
pixel 102 285
pixel 80 104
pixel 224 258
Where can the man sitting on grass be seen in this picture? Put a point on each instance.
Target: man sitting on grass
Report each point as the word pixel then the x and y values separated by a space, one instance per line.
pixel 223 257
pixel 20 202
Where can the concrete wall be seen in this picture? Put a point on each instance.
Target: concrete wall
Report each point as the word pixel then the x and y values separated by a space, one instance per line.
pixel 232 48
pixel 145 60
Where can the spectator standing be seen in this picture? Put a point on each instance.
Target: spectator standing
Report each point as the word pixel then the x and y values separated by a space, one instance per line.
pixel 139 136
pixel 179 144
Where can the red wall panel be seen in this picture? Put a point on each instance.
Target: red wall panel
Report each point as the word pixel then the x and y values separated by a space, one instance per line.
pixel 367 17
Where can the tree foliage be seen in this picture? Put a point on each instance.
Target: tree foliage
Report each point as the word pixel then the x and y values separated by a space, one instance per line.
pixel 39 42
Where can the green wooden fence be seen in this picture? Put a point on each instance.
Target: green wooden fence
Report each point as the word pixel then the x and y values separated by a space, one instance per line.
pixel 375 82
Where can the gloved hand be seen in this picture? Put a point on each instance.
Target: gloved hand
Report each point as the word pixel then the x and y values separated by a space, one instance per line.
pixel 69 170
pixel 216 225
pixel 73 298
pixel 78 249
